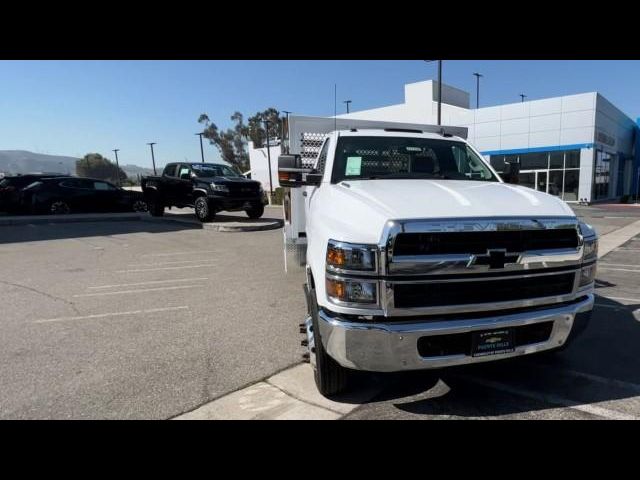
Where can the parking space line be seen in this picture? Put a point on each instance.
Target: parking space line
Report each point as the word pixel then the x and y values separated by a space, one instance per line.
pixel 618 265
pixel 152 282
pixel 635 300
pixel 618 269
pixel 113 314
pixel 138 290
pixel 179 253
pixel 165 268
pixel 552 399
pixel 606 381
pixel 157 264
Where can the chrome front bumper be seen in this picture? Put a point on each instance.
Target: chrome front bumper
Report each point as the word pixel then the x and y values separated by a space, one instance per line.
pixel 390 347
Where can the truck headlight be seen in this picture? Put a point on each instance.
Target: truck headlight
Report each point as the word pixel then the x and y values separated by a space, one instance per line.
pixel 343 256
pixel 352 291
pixel 590 250
pixel 587 275
pixel 219 188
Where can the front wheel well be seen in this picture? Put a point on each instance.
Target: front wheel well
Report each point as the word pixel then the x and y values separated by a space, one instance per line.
pixel 199 193
pixel 310 280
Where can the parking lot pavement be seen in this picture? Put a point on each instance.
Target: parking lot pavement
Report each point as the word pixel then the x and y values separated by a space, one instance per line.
pixel 139 319
pixel 154 319
pixel 598 377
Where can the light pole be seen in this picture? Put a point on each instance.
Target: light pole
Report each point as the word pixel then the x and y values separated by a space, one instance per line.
pixel 117 166
pixel 153 159
pixel 478 75
pixel 201 147
pixel 347 102
pixel 285 133
pixel 439 89
pixel 266 127
pixel 523 96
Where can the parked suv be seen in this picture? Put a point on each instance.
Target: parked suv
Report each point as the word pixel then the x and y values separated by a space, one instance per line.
pixel 11 186
pixel 77 195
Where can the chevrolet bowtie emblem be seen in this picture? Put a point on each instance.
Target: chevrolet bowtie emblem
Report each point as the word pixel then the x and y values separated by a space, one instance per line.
pixel 495 258
pixel 492 340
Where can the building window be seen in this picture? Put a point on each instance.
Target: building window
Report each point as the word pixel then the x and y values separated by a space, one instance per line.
pixel 556 179
pixel 497 162
pixel 601 178
pixel 571 182
pixel 534 161
pixel 572 159
pixel 556 160
pixel 554 172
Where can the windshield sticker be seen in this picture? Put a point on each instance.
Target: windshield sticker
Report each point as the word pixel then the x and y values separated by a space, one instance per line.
pixel 354 166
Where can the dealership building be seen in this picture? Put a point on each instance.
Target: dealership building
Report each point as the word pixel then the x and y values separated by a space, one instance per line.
pixel 577 147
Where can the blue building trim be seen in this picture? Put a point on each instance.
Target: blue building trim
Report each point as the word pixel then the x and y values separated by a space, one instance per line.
pixel 575 146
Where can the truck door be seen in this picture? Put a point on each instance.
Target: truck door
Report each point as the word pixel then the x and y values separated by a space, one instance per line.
pixel 170 183
pixel 184 189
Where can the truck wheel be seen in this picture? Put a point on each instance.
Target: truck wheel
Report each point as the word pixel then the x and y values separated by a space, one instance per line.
pixel 331 378
pixel 255 212
pixel 204 212
pixel 155 207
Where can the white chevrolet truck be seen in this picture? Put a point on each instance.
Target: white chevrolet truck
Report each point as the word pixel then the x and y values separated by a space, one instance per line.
pixel 418 255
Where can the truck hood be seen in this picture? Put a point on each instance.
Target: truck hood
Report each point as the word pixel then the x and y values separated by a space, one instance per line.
pixel 368 204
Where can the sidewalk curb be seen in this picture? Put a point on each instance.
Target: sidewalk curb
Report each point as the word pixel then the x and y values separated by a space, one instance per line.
pixel 615 239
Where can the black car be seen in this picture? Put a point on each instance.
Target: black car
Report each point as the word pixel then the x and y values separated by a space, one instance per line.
pixel 11 186
pixel 79 195
pixel 207 187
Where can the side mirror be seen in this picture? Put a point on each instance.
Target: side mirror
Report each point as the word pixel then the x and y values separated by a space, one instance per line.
pixel 511 172
pixel 292 175
pixel 185 176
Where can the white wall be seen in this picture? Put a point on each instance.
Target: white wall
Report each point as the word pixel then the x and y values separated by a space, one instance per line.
pixel 260 166
pixel 567 120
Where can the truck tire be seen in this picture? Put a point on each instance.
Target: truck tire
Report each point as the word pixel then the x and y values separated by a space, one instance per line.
pixel 255 212
pixel 203 209
pixel 155 207
pixel 331 377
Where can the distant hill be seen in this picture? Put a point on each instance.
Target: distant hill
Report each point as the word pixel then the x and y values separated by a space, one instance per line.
pixel 133 171
pixel 22 161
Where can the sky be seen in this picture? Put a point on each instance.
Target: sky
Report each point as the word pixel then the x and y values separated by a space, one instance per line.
pixel 76 107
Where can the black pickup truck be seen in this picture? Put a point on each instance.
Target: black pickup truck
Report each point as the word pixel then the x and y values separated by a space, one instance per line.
pixel 207 187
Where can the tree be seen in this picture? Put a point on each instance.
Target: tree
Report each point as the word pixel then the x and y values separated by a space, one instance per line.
pixel 95 165
pixel 232 142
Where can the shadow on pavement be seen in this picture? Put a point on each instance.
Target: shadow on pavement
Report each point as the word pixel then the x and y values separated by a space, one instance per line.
pixel 58 231
pixel 599 366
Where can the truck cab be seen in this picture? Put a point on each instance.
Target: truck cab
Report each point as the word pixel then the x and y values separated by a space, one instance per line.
pixel 418 255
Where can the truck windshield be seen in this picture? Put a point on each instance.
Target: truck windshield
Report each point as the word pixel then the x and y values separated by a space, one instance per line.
pixel 363 158
pixel 213 170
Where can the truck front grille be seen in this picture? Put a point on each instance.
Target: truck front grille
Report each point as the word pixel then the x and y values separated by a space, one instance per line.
pixel 478 242
pixel 434 294
pixel 243 191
